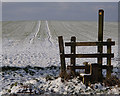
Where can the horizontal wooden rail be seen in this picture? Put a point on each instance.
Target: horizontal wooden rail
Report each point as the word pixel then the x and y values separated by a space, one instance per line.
pixel 89 55
pixel 89 43
pixel 83 67
pixel 76 67
pixel 107 67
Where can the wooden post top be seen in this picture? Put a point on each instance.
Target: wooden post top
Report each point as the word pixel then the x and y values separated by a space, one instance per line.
pixel 100 24
pixel 101 11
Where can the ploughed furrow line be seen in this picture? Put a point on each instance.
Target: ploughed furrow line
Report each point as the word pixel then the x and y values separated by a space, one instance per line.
pixel 49 33
pixel 37 30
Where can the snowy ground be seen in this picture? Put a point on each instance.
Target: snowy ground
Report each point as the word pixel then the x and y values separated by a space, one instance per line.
pixel 35 43
pixel 46 81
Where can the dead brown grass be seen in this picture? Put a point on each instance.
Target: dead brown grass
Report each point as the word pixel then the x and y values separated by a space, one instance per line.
pixel 67 76
pixel 112 81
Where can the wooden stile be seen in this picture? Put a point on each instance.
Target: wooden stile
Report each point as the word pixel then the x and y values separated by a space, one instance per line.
pixel 102 55
pixel 100 25
pixel 89 43
pixel 84 67
pixel 100 38
pixel 87 67
pixel 92 71
pixel 62 56
pixel 109 59
pixel 73 50
pixel 76 67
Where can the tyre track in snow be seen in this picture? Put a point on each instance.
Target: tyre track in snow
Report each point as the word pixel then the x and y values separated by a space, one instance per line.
pixel 35 35
pixel 49 34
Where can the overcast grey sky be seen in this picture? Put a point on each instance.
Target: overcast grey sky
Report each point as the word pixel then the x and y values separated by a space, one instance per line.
pixel 58 11
pixel 60 0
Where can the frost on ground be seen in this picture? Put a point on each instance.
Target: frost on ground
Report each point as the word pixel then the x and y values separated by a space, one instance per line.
pixel 35 43
pixel 46 80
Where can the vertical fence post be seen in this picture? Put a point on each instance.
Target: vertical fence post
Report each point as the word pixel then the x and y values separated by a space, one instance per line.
pixel 62 56
pixel 73 51
pixel 94 70
pixel 100 38
pixel 87 67
pixel 109 58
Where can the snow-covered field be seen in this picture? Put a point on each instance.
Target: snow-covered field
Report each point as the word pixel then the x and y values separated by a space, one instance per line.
pixel 35 43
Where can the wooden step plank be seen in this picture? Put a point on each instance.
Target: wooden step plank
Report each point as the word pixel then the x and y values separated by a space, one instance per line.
pixel 89 43
pixel 76 67
pixel 83 67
